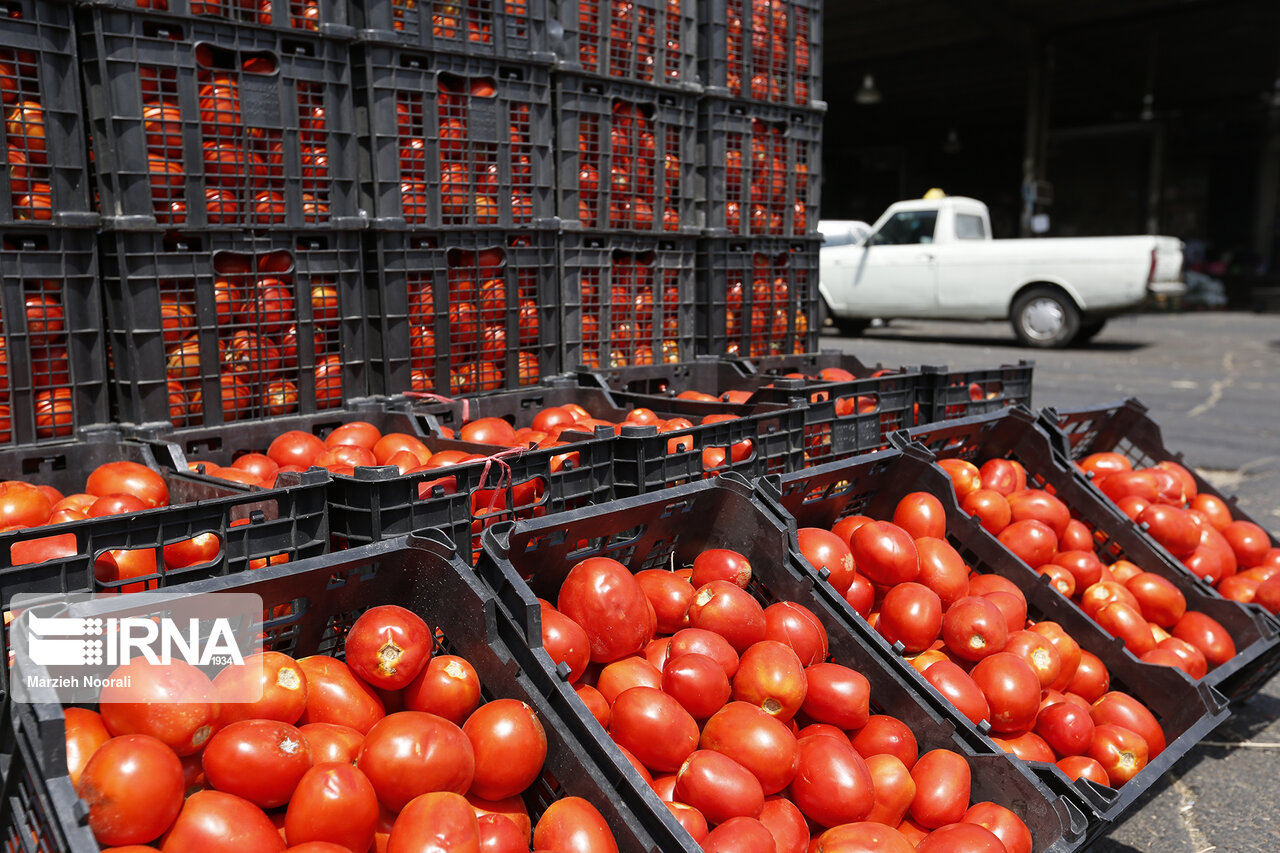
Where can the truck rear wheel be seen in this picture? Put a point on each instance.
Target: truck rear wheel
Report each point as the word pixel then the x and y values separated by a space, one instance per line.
pixel 1045 317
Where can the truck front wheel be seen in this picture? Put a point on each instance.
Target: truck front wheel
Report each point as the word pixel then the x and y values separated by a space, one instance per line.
pixel 1045 317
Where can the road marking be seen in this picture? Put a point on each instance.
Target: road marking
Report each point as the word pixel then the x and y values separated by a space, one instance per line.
pixel 1198 839
pixel 1215 390
pixel 1247 744
pixel 1184 384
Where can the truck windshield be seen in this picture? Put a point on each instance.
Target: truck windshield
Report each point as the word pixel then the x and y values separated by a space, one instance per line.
pixel 908 226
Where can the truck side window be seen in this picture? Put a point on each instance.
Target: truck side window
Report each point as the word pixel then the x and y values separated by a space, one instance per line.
pixel 970 227
pixel 909 226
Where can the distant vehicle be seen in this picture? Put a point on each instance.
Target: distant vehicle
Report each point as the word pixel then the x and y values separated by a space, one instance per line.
pixel 935 258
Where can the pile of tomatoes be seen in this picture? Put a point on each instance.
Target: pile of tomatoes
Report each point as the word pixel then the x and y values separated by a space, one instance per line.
pixel 303 14
pixel 1237 557
pixel 1044 697
pixel 24 136
pixel 1145 610
pixel 392 748
pixel 244 167
pixel 482 329
pixel 639 43
pixel 766 172
pixel 258 335
pixel 734 716
pixel 447 18
pixel 636 167
pixel 46 337
pixel 767 44
pixel 761 312
pixel 631 310
pixel 472 167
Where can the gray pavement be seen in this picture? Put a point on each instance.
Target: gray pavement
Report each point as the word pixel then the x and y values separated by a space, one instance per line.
pixel 1212 381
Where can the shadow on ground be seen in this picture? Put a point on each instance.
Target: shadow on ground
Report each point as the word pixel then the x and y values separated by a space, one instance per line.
pixel 982 338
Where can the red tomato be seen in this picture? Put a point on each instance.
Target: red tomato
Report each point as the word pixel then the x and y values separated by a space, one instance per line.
pixel 261 761
pixel 1028 746
pixel 174 702
pixel 832 784
pixel 1084 566
pixel 796 626
pixel 837 695
pixel 991 509
pixel 861 596
pixel 670 595
pixel 974 627
pixel 388 646
pixel 1082 766
pixel 214 821
pixel 864 837
pixel 654 727
pixel 85 733
pixel 1121 709
pixel 942 570
pixel 1121 752
pixel 1091 678
pixel 283 685
pixel 128 478
pixel 965 477
pixel 894 789
pixel 1077 537
pixel 295 448
pixel 1248 541
pixel 336 695
pixel 825 550
pixel 133 785
pixel 1030 540
pixel 885 735
pixel 885 553
pixel 1040 505
pixel 1215 510
pixel 771 676
pixel 759 742
pixel 1012 690
pixel 703 642
pixel 565 641
pixel 921 515
pixel 23 505
pixel 493 431
pixel 359 433
pixel 910 614
pixel 436 821
pixel 1067 728
pixel 510 747
pixel 720 564
pixel 447 686
pixel 942 780
pixel 786 824
pixel 512 810
pixel 1192 659
pixel 336 803
pixel 698 683
pixel 740 834
pixel 959 689
pixel 733 613
pixel 1206 634
pixel 574 824
pixel 605 599
pixel 332 743
pixel 718 787
pixel 1003 476
pixel 411 753
pixel 1013 833
pixel 969 837
pixel 1039 652
pixel 1126 622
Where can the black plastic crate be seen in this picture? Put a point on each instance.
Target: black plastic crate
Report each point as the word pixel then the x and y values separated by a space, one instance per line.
pixel 759 169
pixel 872 486
pixel 498 29
pixel 671 528
pixel 626 299
pixel 761 51
pixel 42 144
pixel 319 600
pixel 327 17
pixel 646 41
pixel 625 156
pixel 1013 433
pixel 212 327
pixel 945 395
pixel 201 124
pixel 811 364
pixel 450 141
pixel 461 312
pixel 758 296
pixel 703 374
pixel 53 365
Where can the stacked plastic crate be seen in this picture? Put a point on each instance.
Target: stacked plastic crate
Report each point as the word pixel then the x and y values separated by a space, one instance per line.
pixel 626 96
pixel 224 148
pixel 456 175
pixel 760 161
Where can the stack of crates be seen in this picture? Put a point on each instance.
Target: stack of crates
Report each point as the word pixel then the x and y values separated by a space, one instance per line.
pixel 457 178
pixel 53 377
pixel 759 176
pixel 626 105
pixel 224 146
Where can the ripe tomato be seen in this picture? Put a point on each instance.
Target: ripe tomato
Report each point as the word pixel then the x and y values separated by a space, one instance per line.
pixel 885 553
pixel 174 702
pixel 388 646
pixel 1039 652
pixel 654 727
pixel 990 507
pixel 703 642
pixel 837 695
pixel 1013 833
pixel 1206 634
pixel 606 600
pixel 1030 540
pixel 864 837
pixel 832 784
pixel 133 786
pixel 332 743
pixel 670 595
pixel 1066 727
pixel 731 612
pixel 965 477
pixel 1121 709
pixel 335 803
pixel 1040 505
pixel 921 515
pixel 1091 678
pixel 959 689
pixel 510 747
pixel 565 641
pixel 974 627
pixel 718 787
pixel 894 789
pixel 756 740
pixel 1082 766
pixel 910 614
pixel 436 821
pixel 411 753
pixel 825 550
pixel 889 736
pixel 797 626
pixel 216 821
pixel 1121 752
pixel 970 837
pixel 1126 622
pixel 770 676
pixel 942 780
pixel 1003 476
pixel 85 733
pixel 295 448
pixel 698 683
pixel 1084 566
pixel 336 695
pixel 786 824
pixel 259 760
pixel 128 478
pixel 572 823
pixel 1012 690
pixel 283 684
pixel 720 564
pixel 447 686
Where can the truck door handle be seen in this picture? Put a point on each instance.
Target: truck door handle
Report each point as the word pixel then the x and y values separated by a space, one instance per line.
pixel 926 257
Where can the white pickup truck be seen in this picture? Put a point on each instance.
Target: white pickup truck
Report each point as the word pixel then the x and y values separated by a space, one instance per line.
pixel 935 258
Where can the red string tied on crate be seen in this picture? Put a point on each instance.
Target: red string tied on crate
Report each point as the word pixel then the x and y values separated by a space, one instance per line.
pixel 440 398
pixel 505 474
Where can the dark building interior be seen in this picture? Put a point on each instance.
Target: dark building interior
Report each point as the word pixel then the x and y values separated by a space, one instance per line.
pixel 1109 116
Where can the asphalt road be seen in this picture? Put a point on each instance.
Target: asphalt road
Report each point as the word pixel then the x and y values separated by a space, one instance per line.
pixel 1212 382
